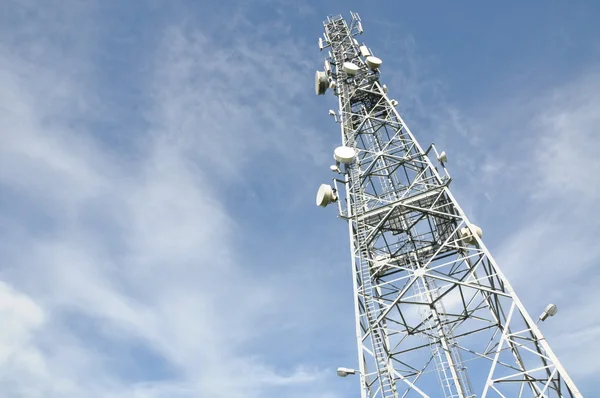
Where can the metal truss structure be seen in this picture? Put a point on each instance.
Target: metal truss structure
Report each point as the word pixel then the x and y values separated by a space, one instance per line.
pixel 435 316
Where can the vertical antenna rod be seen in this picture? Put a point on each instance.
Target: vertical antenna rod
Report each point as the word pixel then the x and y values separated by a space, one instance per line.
pixel 435 315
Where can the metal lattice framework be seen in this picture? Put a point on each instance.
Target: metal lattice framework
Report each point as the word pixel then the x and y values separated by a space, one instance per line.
pixel 435 316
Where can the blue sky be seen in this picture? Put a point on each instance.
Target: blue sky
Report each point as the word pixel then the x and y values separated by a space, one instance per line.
pixel 159 161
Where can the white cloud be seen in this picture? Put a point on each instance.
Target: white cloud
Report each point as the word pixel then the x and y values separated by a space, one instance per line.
pixel 139 244
pixel 139 248
pixel 566 157
pixel 21 317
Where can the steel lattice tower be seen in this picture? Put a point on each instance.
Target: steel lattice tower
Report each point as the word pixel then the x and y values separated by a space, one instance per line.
pixel 435 316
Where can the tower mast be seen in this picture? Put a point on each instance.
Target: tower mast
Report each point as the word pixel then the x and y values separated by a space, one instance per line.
pixel 435 315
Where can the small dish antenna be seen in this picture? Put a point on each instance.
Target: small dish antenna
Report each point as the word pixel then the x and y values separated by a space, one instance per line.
pixel 344 154
pixel 321 82
pixel 325 195
pixel 394 102
pixel 443 158
pixel 350 68
pixel 467 234
pixel 373 62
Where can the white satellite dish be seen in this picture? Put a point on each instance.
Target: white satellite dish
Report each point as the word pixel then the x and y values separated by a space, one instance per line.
pixel 350 68
pixel 344 154
pixel 443 158
pixel 321 82
pixel 551 309
pixel 373 62
pixel 468 236
pixel 325 195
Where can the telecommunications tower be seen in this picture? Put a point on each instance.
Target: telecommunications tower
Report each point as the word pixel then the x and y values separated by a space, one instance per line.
pixel 435 315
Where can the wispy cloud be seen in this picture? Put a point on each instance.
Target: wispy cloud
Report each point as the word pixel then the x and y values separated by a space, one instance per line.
pixel 149 197
pixel 109 251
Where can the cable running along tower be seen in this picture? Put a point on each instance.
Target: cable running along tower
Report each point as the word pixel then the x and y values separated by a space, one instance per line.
pixel 435 316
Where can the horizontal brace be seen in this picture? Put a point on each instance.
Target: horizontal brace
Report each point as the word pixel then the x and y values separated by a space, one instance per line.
pixel 400 202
